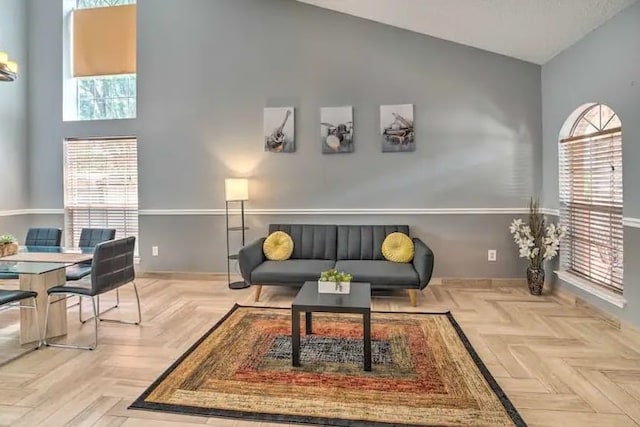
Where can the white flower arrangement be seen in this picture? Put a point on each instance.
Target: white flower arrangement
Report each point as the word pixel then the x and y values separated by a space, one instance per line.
pixel 536 241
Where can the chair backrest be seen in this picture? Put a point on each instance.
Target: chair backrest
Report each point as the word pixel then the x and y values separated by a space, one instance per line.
pixel 310 241
pixel 89 237
pixel 112 264
pixel 43 237
pixel 364 242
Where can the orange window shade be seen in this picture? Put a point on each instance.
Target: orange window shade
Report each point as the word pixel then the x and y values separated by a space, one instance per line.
pixel 104 41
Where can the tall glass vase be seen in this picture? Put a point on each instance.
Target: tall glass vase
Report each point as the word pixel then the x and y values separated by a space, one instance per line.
pixel 535 280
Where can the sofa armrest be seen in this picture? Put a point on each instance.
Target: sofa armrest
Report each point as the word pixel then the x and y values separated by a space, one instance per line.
pixel 423 262
pixel 249 257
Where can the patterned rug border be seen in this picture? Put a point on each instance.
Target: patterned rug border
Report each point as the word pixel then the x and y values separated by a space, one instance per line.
pixel 140 403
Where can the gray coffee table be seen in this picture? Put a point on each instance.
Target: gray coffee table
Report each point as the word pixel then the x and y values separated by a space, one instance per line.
pixel 309 300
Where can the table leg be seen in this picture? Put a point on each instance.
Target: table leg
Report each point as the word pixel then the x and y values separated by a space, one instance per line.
pixel 367 340
pixel 57 312
pixel 308 323
pixel 295 338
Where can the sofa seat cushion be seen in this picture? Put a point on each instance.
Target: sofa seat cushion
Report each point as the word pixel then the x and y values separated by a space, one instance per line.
pixel 381 273
pixel 290 271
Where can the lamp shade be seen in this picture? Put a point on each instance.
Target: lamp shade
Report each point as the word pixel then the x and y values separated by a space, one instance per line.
pixel 236 189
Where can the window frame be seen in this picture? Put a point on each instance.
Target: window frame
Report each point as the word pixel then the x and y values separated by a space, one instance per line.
pixel 71 90
pixel 86 205
pixel 587 205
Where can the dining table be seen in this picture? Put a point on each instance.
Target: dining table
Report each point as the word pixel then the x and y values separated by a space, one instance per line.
pixel 40 268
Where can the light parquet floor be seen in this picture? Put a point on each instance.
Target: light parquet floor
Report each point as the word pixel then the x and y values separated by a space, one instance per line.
pixel 561 364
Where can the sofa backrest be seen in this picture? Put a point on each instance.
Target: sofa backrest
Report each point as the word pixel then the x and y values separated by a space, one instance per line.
pixel 310 241
pixel 364 242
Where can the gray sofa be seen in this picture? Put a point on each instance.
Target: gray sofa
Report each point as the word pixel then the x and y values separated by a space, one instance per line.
pixel 355 249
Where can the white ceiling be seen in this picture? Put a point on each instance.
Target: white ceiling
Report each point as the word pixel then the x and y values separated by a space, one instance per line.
pixel 531 30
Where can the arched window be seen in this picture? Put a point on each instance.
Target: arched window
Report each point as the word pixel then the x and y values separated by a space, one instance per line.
pixel 591 197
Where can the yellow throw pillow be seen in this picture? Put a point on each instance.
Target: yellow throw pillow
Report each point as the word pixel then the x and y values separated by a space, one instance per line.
pixel 278 246
pixel 398 247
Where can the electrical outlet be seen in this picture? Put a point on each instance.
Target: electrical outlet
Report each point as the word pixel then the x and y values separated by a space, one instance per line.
pixel 154 250
pixel 492 255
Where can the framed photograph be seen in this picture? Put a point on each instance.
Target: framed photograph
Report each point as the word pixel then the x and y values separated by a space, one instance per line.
pixel 397 128
pixel 336 129
pixel 279 130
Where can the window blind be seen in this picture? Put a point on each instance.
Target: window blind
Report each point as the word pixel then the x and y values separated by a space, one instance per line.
pixel 591 207
pixel 100 186
pixel 104 41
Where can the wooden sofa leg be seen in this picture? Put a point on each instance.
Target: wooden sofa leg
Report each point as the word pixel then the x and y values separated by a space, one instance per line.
pixel 257 294
pixel 413 295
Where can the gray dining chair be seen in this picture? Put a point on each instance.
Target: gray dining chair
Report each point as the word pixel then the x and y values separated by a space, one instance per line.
pixel 43 237
pixel 38 237
pixel 89 238
pixel 112 268
pixel 12 299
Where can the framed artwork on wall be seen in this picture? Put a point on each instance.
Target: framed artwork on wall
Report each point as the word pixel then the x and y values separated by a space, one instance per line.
pixel 336 129
pixel 397 128
pixel 279 130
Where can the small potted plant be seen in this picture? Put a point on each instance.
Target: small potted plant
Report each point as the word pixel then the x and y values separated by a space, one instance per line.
pixel 8 245
pixel 334 282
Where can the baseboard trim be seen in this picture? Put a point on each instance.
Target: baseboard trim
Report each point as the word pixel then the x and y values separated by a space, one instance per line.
pixel 187 275
pixel 577 301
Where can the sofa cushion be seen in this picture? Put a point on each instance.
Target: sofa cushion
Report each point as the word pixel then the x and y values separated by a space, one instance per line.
pixel 398 247
pixel 289 271
pixel 381 273
pixel 278 246
pixel 364 242
pixel 310 241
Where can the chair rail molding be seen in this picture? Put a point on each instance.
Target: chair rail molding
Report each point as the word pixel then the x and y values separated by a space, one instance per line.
pixel 628 221
pixel 335 211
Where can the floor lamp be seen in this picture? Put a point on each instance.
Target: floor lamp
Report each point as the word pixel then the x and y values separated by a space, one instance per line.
pixel 235 190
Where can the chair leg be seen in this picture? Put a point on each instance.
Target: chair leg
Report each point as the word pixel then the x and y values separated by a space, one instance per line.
pixel 413 294
pixel 100 313
pixel 34 307
pixel 126 322
pixel 95 328
pixel 135 289
pixel 258 291
pixel 40 337
pixel 46 321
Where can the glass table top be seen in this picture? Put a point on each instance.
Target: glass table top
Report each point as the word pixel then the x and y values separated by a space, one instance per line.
pixel 55 250
pixel 19 267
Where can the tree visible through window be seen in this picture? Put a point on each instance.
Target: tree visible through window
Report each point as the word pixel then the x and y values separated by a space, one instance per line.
pixel 591 197
pixel 105 97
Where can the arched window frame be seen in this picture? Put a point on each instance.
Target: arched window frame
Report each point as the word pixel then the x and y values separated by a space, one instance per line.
pixel 591 197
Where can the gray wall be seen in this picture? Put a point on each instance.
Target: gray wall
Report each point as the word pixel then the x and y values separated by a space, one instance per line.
pixel 199 120
pixel 603 67
pixel 13 110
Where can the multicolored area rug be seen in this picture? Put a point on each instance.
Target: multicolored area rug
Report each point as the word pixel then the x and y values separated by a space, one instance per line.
pixel 425 373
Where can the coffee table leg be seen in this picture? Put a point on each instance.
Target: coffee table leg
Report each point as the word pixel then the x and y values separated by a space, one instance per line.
pixel 308 321
pixel 295 338
pixel 367 341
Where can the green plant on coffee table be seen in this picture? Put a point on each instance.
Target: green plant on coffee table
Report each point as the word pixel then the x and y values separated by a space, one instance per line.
pixel 7 238
pixel 338 277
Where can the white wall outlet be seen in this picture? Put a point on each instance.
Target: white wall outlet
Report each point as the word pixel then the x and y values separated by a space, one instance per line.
pixel 492 255
pixel 154 250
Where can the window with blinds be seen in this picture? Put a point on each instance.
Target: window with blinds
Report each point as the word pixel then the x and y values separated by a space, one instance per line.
pixel 100 186
pixel 103 59
pixel 591 198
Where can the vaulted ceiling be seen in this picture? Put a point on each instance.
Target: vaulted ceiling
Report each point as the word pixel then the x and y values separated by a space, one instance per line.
pixel 531 30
